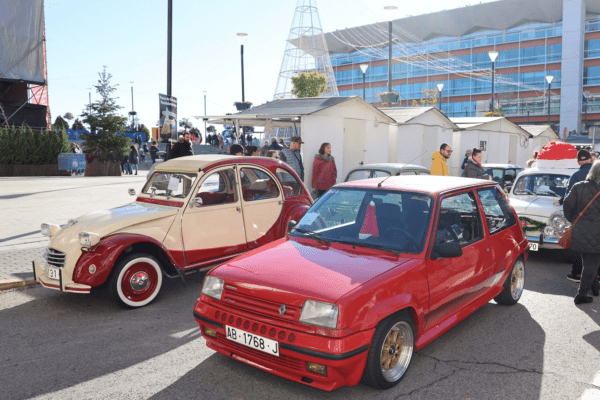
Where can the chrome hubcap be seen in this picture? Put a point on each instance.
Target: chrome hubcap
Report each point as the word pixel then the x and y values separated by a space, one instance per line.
pixel 517 280
pixel 396 351
pixel 139 281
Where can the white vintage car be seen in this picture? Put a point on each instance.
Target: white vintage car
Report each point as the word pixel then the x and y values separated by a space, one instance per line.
pixel 534 196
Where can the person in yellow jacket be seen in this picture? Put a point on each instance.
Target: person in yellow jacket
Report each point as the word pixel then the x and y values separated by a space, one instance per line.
pixel 439 165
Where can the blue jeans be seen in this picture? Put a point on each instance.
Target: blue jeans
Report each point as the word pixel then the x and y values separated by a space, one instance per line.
pixel 128 168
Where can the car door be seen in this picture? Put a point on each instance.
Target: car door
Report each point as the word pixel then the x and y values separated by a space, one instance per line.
pixel 262 203
pixel 214 229
pixel 451 280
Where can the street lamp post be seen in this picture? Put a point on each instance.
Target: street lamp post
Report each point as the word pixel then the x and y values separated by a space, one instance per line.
pixel 205 133
pixel 493 54
pixel 586 95
pixel 242 38
pixel 549 80
pixel 364 67
pixel 440 86
pixel 132 113
pixel 390 12
pixel 90 100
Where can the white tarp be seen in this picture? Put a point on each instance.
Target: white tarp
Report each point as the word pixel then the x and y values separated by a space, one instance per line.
pixel 21 40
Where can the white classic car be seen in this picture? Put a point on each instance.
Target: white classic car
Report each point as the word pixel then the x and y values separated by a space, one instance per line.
pixel 534 196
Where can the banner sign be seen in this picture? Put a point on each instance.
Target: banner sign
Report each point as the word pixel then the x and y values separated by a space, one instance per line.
pixel 168 115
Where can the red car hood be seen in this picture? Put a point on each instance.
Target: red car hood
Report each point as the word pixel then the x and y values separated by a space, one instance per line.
pixel 292 270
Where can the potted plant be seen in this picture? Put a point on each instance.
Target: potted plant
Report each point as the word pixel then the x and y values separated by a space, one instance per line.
pixel 242 105
pixel 389 97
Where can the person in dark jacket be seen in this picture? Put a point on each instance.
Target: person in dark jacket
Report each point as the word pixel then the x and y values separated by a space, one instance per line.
pixel 474 169
pixel 154 151
pixel 324 171
pixel 586 232
pixel 182 148
pixel 133 160
pixel 468 154
pixel 274 145
pixel 293 157
pixel 584 159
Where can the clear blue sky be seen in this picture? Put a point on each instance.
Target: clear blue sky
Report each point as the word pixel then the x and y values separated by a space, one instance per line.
pixel 130 38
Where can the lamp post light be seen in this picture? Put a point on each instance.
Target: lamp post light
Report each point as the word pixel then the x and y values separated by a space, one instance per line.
pixel 390 12
pixel 205 133
pixel 364 67
pixel 440 86
pixel 549 80
pixel 493 54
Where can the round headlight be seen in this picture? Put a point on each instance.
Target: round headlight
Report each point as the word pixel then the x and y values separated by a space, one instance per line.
pixel 45 228
pixel 549 232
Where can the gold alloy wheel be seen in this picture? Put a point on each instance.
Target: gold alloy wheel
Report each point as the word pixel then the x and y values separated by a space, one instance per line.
pixel 517 280
pixel 396 351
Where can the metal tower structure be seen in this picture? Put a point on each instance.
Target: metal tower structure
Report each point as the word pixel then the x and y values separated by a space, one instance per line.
pixel 305 51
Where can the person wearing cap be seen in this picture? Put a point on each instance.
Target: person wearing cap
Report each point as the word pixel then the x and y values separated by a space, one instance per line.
pixel 236 150
pixel 293 156
pixel 584 159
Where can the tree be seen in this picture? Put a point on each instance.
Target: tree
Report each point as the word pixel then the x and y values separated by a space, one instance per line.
pixel 309 84
pixel 429 99
pixel 495 113
pixel 69 116
pixel 211 129
pixel 102 114
pixel 185 124
pixel 60 123
pixel 77 125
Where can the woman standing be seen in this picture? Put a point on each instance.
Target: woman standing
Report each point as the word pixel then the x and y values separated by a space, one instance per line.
pixel 132 160
pixel 324 171
pixel 468 154
pixel 586 231
pixel 474 169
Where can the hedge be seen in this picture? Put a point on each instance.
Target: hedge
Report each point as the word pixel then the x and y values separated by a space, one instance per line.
pixel 25 146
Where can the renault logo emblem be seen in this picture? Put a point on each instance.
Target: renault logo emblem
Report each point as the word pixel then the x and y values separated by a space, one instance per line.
pixel 282 309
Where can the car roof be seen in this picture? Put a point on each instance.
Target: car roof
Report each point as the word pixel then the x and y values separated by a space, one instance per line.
pixel 431 184
pixel 501 166
pixel 555 171
pixel 390 167
pixel 196 163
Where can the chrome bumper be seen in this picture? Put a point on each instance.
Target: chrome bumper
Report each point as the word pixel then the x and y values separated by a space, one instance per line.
pixel 544 243
pixel 39 275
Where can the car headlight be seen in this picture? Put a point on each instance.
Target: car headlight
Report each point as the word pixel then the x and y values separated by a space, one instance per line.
pixel 559 223
pixel 549 232
pixel 87 239
pixel 319 314
pixel 212 287
pixel 49 229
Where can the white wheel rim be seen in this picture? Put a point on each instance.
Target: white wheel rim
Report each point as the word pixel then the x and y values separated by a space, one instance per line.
pixel 396 351
pixel 517 280
pixel 124 270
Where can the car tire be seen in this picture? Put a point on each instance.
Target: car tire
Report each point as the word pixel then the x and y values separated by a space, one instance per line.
pixel 513 285
pixel 136 280
pixel 390 352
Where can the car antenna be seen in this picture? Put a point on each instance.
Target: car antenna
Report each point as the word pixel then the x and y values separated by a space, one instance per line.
pixel 387 177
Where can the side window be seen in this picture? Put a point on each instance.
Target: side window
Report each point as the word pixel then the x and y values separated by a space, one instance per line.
pixel 218 188
pixel 380 174
pixel 459 220
pixel 257 185
pixel 496 209
pixel 358 175
pixel 291 187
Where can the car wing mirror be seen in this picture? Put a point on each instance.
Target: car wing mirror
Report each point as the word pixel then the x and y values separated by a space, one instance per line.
pixel 291 225
pixel 131 192
pixel 197 202
pixel 448 250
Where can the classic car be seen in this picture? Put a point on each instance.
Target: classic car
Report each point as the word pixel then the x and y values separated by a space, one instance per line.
pixel 193 213
pixel 374 270
pixel 535 196
pixel 503 174
pixel 385 169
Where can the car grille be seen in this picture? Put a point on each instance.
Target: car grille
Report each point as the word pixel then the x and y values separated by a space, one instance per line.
pixel 54 257
pixel 260 307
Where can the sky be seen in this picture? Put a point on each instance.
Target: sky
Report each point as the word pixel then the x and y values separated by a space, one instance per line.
pixel 129 37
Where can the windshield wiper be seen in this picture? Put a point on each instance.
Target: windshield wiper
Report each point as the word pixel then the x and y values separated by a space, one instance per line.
pixel 316 235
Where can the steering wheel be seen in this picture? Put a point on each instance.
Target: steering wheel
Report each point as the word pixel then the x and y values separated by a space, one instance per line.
pixel 389 232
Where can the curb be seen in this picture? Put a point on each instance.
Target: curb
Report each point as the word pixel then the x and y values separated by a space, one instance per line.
pixel 17 284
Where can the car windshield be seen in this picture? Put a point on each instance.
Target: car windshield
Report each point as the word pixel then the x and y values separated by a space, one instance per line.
pixel 542 185
pixel 170 184
pixel 392 220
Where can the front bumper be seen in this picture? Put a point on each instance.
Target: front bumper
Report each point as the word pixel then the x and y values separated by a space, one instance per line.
pixel 544 243
pixel 345 357
pixel 63 284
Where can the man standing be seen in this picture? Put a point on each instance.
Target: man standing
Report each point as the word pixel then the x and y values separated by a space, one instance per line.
pixel 293 156
pixel 182 148
pixel 154 151
pixel 263 150
pixel 584 159
pixel 439 165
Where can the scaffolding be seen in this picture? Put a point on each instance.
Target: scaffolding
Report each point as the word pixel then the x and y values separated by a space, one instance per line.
pixel 305 51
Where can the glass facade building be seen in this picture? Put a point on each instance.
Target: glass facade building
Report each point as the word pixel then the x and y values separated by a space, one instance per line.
pixel 526 54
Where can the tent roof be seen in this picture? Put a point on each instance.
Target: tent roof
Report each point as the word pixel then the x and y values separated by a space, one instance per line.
pixel 405 114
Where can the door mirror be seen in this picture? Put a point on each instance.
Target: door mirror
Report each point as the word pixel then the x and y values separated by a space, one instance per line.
pixel 291 225
pixel 197 201
pixel 447 250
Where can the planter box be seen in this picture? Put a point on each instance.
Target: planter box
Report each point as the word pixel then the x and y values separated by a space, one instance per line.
pixel 102 168
pixel 389 97
pixel 29 170
pixel 242 106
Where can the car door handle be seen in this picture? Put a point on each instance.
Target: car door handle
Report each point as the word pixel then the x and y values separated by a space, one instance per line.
pixel 281 202
pixel 238 208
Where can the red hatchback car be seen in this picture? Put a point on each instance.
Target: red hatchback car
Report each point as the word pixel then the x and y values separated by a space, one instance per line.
pixel 373 271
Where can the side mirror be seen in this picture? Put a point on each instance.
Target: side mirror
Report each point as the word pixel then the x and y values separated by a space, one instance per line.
pixel 291 225
pixel 448 250
pixel 197 201
pixel 131 192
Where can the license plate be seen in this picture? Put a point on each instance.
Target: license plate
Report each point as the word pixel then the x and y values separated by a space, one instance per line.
pixel 253 341
pixel 52 273
pixel 533 246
